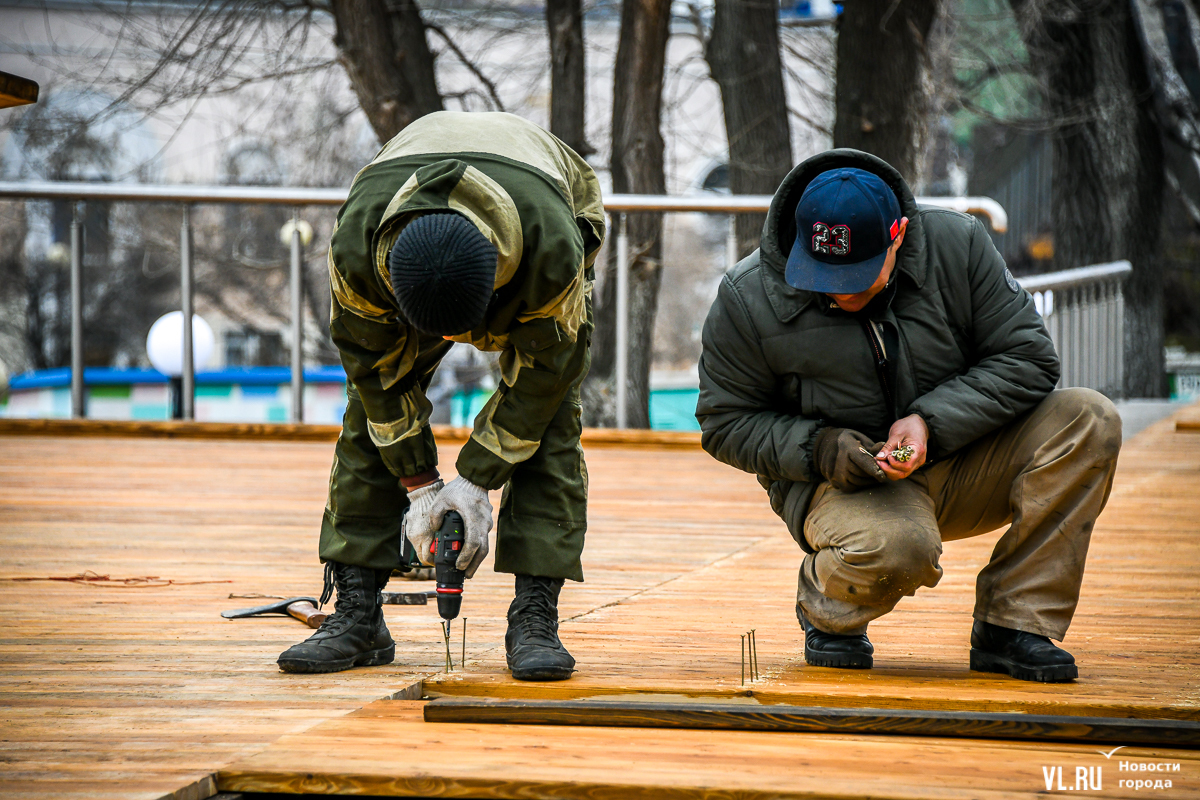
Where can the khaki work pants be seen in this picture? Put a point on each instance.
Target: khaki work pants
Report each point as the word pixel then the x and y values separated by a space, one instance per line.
pixel 1047 475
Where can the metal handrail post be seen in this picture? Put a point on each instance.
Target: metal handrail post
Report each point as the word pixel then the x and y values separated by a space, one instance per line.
pixel 1064 353
pixel 78 401
pixel 1102 336
pixel 1120 377
pixel 1069 338
pixel 188 382
pixel 622 338
pixel 1114 344
pixel 1080 295
pixel 297 326
pixel 1094 335
pixel 731 244
pixel 1086 337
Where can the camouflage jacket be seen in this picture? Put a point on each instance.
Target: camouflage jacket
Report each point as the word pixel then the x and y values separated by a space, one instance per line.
pixel 539 204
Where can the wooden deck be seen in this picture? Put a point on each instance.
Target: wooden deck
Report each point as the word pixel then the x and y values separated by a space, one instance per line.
pixel 144 691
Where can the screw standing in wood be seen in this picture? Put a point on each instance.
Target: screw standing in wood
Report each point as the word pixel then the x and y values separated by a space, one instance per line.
pixel 753 656
pixel 446 637
pixel 463 660
pixel 743 659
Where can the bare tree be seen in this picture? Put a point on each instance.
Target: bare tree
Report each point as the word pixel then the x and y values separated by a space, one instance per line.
pixel 744 59
pixel 636 161
pixel 383 47
pixel 275 55
pixel 882 93
pixel 568 90
pixel 1170 35
pixel 123 291
pixel 1108 158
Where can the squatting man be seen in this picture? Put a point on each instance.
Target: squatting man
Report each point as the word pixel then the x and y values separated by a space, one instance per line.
pixel 880 370
pixel 478 228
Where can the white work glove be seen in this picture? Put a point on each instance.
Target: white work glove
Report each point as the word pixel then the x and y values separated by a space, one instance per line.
pixel 418 524
pixel 472 503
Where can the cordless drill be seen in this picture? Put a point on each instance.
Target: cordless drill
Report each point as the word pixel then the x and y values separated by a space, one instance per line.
pixel 446 548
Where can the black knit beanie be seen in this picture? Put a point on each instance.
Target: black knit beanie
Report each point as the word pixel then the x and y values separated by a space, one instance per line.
pixel 442 272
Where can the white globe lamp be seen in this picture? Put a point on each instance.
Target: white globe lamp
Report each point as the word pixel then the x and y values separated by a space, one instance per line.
pixel 296 226
pixel 164 344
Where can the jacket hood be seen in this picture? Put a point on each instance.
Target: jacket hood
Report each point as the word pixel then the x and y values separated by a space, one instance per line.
pixel 779 231
pixel 453 185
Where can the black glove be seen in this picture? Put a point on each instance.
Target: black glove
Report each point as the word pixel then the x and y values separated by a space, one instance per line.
pixel 838 453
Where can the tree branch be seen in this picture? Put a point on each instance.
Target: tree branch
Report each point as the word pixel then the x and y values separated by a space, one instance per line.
pixel 466 62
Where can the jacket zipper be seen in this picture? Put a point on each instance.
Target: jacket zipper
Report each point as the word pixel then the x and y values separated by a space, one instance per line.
pixel 875 338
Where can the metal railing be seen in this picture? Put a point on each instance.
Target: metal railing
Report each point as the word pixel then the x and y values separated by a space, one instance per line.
pixel 1084 311
pixel 617 205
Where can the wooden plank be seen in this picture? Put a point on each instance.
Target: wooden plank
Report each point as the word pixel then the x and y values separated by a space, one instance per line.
pixel 1188 425
pixel 743 717
pixel 303 432
pixel 386 749
pixel 16 91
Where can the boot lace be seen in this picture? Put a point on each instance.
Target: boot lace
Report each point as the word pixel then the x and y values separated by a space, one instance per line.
pixel 351 597
pixel 537 613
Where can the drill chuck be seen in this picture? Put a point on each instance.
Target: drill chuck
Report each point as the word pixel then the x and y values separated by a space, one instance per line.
pixel 447 547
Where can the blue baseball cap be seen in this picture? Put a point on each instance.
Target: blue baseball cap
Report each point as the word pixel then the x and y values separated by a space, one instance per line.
pixel 845 222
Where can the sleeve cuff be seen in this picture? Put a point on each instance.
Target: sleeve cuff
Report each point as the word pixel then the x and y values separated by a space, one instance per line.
pixel 420 479
pixel 808 452
pixel 482 467
pixel 932 451
pixel 414 456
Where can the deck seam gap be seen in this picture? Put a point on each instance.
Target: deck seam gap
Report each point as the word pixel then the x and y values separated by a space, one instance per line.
pixel 620 600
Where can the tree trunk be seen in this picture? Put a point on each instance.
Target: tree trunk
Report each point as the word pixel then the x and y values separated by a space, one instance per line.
pixel 882 94
pixel 636 162
pixel 743 57
pixel 564 22
pixel 382 45
pixel 1108 159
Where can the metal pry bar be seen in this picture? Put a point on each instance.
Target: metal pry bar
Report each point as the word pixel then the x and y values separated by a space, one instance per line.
pixel 407 598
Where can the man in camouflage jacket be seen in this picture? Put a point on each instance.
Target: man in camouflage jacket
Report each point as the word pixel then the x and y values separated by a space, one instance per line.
pixel 478 228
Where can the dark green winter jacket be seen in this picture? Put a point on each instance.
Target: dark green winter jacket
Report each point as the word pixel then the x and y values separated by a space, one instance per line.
pixel 778 363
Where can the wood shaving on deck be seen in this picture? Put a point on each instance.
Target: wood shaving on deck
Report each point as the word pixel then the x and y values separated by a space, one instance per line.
pixel 90 578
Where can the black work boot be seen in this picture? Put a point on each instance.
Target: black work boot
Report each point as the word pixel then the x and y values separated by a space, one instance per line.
pixel 534 651
pixel 823 649
pixel 354 635
pixel 1023 655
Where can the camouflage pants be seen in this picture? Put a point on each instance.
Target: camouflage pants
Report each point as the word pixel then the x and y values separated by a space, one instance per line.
pixel 543 509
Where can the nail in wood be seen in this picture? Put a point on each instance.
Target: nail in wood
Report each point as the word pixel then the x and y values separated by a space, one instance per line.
pixel 743 659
